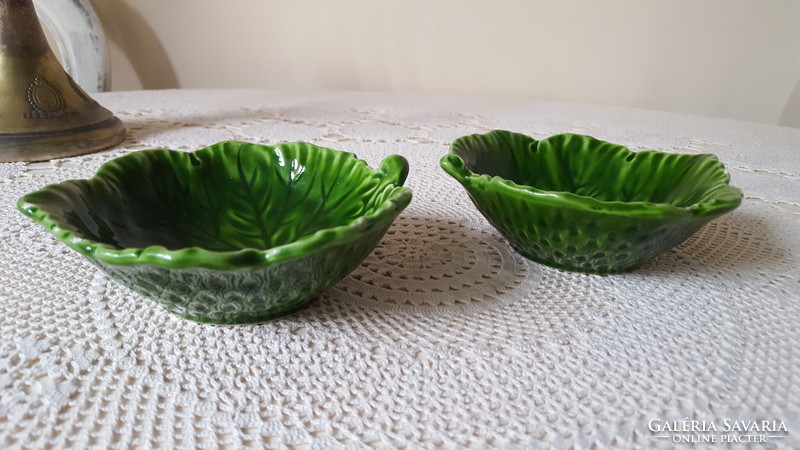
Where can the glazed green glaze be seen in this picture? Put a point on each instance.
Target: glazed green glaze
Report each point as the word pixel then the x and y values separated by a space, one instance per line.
pixel 232 233
pixel 577 203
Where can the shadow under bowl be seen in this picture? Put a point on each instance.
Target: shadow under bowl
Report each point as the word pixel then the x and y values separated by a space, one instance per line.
pixel 229 234
pixel 577 203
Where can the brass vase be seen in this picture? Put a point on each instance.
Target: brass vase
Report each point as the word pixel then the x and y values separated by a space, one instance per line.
pixel 44 114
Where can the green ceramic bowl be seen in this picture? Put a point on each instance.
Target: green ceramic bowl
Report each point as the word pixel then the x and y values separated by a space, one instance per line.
pixel 578 203
pixel 232 233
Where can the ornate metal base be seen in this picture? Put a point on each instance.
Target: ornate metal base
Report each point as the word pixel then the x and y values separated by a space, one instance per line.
pixel 61 144
pixel 44 114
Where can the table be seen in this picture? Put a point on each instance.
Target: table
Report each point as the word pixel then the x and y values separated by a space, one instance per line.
pixel 444 337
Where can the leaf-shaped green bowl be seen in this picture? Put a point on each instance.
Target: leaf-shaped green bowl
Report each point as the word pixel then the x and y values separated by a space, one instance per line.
pixel 229 234
pixel 578 203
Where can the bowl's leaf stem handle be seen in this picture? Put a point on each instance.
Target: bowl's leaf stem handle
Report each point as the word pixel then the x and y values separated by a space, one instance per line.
pixel 454 165
pixel 394 170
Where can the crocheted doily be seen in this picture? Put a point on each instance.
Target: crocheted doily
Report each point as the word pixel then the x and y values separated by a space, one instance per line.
pixel 444 336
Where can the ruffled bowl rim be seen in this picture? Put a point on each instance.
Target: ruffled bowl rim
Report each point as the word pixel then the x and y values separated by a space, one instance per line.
pixel 394 167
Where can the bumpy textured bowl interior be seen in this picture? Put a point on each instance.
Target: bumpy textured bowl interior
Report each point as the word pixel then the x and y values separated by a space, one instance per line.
pixel 231 233
pixel 578 203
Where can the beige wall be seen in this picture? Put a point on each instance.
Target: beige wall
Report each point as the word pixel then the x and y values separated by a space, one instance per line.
pixel 729 58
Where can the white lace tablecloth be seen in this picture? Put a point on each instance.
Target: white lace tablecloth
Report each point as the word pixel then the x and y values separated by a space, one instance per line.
pixel 444 337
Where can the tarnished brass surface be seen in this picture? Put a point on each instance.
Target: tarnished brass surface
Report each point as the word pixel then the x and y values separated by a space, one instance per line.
pixel 44 114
